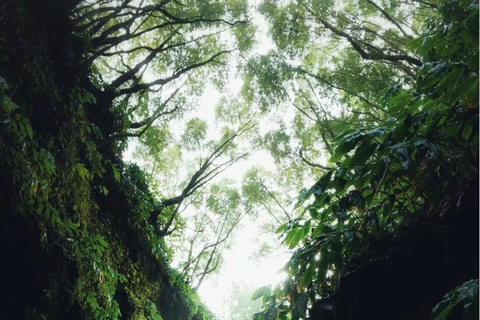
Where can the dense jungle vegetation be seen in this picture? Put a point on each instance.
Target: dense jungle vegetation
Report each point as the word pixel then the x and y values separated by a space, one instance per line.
pixel 367 109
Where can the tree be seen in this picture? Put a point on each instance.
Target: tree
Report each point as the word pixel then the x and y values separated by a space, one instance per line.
pixel 241 307
pixel 256 192
pixel 199 162
pixel 393 174
pixel 143 54
pixel 212 230
pixel 99 72
pixel 321 48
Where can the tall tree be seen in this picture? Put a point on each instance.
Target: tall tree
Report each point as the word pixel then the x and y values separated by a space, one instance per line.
pixel 391 174
pixel 212 231
pixel 144 53
pixel 322 48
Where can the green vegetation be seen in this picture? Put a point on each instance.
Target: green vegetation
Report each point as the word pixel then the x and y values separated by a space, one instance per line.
pixel 80 229
pixel 376 101
pixel 410 161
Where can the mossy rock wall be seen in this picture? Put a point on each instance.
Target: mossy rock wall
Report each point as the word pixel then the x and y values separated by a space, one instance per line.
pixel 74 231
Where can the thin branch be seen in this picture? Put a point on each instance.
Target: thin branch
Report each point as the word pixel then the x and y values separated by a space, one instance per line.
pixel 270 193
pixel 174 76
pixel 428 4
pixel 129 74
pixel 158 112
pixel 145 123
pixel 325 81
pixel 316 165
pixel 206 269
pixel 389 18
pixel 271 213
pixel 354 43
pixel 296 106
pixel 202 176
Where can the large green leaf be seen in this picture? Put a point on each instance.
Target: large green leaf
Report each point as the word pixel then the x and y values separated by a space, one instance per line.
pixel 362 154
pixel 449 82
pixel 467 294
pixel 399 102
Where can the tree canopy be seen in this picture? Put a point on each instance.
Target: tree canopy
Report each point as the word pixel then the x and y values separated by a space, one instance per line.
pixel 120 195
pixel 408 144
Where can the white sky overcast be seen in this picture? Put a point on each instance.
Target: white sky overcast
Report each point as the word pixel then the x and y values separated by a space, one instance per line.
pixel 238 267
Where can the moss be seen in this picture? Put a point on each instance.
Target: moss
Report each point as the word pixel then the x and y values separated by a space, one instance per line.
pixel 74 228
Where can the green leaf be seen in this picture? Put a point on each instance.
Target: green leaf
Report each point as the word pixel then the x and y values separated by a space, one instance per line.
pixel 308 275
pixel 260 292
pixel 438 69
pixel 467 131
pixel 298 234
pixel 342 135
pixel 22 128
pixel 322 184
pixel 102 241
pixel 452 78
pixel 306 228
pixel 353 136
pixel 304 195
pixel 116 173
pixel 427 43
pixel 468 89
pixel 344 147
pixel 40 208
pixel 281 228
pixel 429 105
pixel 414 44
pixel 28 128
pixel 362 154
pixel 103 190
pixel 80 167
pixel 441 121
pixel 404 157
pixel 322 265
pixel 3 85
pixel 472 63
pixel 465 293
pixel 399 102
pixel 92 300
pixel 453 129
pixel 314 213
pixel 336 157
pixel 348 143
pixel 349 235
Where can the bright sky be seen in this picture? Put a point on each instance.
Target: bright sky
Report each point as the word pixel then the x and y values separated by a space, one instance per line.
pixel 239 266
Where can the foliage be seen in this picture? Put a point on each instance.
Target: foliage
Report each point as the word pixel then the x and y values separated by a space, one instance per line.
pixel 389 175
pixel 99 255
pixel 89 236
pixel 76 220
pixel 466 294
pixel 240 306
pixel 151 59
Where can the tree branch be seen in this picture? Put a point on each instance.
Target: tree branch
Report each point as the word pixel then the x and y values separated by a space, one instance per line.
pixel 300 153
pixel 202 176
pixel 325 81
pixel 207 268
pixel 174 76
pixel 354 43
pixel 389 18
